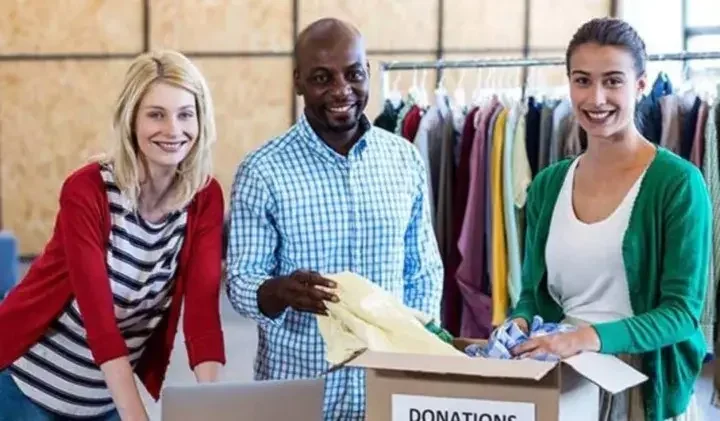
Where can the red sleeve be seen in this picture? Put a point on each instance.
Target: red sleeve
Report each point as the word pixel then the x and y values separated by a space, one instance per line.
pixel 203 332
pixel 83 238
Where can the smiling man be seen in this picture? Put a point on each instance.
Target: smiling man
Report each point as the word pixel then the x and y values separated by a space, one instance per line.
pixel 331 194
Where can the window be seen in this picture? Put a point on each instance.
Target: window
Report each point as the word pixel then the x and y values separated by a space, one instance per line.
pixel 702 32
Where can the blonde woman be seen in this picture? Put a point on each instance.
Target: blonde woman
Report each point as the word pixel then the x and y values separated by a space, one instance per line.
pixel 138 233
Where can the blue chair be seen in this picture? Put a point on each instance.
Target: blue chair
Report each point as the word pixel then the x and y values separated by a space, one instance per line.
pixel 9 265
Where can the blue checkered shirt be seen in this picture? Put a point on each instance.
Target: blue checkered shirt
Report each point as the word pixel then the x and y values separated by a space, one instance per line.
pixel 297 204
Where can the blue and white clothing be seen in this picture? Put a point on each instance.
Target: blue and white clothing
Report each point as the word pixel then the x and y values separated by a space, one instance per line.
pixel 508 335
pixel 297 204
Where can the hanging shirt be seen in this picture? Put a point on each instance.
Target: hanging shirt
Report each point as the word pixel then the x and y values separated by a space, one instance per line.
pixel 559 129
pixel 532 139
pixel 444 222
pixel 511 231
pixel 452 307
pixel 428 140
pixel 670 134
pixel 489 209
pixel 411 123
pixel 497 228
pixel 296 204
pixel 546 132
pixel 711 173
pixel 476 318
pixel 697 149
pixel 388 118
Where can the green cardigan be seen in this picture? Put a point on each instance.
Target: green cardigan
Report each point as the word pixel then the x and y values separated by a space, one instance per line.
pixel 666 250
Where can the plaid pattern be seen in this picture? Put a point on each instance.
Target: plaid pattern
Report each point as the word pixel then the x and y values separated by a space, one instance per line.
pixel 296 204
pixel 508 336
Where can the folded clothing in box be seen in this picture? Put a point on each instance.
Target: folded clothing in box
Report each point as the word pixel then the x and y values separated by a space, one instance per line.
pixel 367 317
pixel 509 335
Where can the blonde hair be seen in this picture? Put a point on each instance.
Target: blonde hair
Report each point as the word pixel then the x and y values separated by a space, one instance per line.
pixel 195 171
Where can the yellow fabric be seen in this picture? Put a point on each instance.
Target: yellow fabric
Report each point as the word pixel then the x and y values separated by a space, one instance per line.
pixel 499 247
pixel 369 317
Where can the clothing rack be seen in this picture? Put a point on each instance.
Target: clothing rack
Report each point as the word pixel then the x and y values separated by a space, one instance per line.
pixel 525 62
pixel 388 66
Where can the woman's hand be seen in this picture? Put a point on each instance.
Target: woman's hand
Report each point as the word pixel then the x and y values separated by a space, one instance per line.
pixel 562 345
pixel 522 324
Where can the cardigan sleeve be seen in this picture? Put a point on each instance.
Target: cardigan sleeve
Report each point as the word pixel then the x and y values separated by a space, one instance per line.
pixel 686 237
pixel 80 219
pixel 201 320
pixel 526 307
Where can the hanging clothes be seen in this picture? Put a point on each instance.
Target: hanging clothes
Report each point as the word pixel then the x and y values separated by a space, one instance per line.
pixel 476 316
pixel 481 160
pixel 452 298
pixel 498 248
pixel 508 196
pixel 649 109
pixel 388 118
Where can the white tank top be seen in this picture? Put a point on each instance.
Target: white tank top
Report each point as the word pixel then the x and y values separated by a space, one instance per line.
pixel 585 268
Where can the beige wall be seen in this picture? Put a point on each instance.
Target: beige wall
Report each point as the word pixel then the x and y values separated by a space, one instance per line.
pixel 56 89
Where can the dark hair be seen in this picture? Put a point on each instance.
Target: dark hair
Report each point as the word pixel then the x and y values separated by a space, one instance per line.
pixel 609 31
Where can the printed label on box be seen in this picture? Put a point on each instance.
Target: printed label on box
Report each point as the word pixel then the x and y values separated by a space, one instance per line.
pixel 430 408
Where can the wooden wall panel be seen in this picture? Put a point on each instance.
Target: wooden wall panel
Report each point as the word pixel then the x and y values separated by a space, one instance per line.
pixel 484 24
pixel 60 121
pixel 78 26
pixel 249 110
pixel 386 24
pixel 221 25
pixel 50 125
pixel 547 30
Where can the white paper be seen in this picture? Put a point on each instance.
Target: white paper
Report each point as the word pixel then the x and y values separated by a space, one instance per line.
pixel 430 408
pixel 606 371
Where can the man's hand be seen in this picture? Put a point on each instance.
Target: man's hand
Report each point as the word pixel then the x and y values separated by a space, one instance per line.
pixel 302 290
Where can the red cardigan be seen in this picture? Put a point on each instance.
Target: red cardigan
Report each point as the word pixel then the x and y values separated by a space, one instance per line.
pixel 72 265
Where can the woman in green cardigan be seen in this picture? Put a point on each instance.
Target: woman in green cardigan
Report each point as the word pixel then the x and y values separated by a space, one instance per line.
pixel 618 238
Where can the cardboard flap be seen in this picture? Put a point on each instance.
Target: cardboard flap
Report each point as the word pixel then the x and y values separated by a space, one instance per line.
pixel 608 372
pixel 463 365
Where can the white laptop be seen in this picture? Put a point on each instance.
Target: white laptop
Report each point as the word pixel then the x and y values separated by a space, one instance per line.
pixel 269 400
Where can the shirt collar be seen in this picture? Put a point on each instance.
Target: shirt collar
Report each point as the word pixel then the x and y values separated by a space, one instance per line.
pixel 319 146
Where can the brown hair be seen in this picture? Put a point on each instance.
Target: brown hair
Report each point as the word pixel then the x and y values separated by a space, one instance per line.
pixel 609 31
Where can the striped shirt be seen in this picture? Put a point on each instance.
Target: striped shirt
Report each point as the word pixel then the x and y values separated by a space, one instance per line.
pixel 297 204
pixel 58 372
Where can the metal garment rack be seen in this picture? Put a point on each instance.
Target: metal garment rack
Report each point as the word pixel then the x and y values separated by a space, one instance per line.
pixel 388 66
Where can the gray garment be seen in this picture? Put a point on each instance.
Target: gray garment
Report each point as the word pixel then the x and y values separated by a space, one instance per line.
pixel 573 146
pixel 428 140
pixel 670 111
pixel 444 221
pixel 560 121
pixel 546 129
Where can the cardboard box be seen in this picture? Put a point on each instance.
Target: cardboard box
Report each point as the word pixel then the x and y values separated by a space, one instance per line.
pixel 416 387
